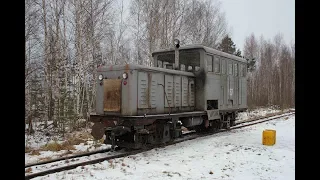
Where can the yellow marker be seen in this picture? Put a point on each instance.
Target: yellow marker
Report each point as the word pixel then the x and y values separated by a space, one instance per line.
pixel 269 137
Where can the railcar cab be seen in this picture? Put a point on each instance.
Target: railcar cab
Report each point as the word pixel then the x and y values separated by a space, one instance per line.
pixel 189 60
pixel 220 77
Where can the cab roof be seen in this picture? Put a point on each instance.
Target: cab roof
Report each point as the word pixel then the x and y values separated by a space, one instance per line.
pixel 205 48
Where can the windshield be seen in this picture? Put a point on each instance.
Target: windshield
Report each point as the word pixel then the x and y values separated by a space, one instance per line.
pixel 189 60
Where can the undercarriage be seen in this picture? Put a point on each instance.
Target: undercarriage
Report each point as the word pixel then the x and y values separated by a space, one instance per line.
pixel 135 136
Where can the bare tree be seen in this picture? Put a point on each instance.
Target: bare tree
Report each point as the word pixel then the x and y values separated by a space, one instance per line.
pixel 31 45
pixel 272 83
pixel 204 23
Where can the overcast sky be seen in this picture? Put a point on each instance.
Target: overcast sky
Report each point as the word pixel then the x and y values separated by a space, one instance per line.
pixel 262 17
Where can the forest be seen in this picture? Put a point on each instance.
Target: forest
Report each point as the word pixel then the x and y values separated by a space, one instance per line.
pixel 66 40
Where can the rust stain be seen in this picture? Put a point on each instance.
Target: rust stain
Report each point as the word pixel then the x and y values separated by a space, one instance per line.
pixel 127 68
pixel 112 95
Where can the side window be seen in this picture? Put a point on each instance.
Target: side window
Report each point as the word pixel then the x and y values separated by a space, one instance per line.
pixel 244 70
pixel 159 64
pixel 164 64
pixel 216 64
pixel 209 63
pixel 223 66
pixel 182 67
pixel 230 69
pixel 235 69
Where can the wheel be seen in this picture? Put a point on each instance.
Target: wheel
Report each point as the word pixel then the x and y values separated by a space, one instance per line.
pixel 228 122
pixel 233 120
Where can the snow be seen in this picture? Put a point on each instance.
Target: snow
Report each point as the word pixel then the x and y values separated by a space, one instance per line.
pixel 237 154
pixel 258 112
pixel 39 139
pixel 47 155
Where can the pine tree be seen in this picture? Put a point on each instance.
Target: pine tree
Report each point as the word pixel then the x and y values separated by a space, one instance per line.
pixel 227 45
pixel 251 64
pixel 238 53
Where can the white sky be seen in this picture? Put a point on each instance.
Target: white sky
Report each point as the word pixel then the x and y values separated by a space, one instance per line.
pixel 261 17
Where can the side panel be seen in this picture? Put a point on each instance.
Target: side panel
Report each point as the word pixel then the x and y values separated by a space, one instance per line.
pixel 236 93
pixel 224 88
pixel 177 91
pixel 213 87
pixel 230 85
pixel 168 91
pixel 236 85
pixel 240 92
pixel 244 92
pixel 153 89
pixel 200 83
pixel 213 114
pixel 191 92
pixel 184 80
pixel 160 101
pixel 143 94
pixel 130 94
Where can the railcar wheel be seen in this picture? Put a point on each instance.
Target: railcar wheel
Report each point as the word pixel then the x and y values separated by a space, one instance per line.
pixel 228 122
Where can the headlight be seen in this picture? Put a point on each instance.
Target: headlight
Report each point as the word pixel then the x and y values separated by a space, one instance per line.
pixel 125 75
pixel 100 77
pixel 176 42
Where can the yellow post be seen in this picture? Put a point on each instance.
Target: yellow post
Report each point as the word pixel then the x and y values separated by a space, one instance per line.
pixel 269 137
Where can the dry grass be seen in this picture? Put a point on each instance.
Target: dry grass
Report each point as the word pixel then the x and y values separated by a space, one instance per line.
pixel 85 135
pixel 27 149
pixel 45 159
pixel 101 141
pixel 55 146
pixel 29 170
pixel 66 153
pixel 96 145
pixel 35 152
pixel 75 141
pixel 72 139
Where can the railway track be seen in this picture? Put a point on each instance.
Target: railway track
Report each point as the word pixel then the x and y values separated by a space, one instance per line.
pixel 116 154
pixel 67 157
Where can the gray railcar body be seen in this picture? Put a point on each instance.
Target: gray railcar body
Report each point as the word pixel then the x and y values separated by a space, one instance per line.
pixel 208 89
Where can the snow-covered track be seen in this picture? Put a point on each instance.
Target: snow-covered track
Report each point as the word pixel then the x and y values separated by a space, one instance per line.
pixel 189 136
pixel 67 157
pixel 260 120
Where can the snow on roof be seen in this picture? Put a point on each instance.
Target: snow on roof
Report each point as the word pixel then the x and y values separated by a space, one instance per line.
pixel 207 49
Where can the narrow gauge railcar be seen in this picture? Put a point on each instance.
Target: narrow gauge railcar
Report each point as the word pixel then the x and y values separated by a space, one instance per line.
pixel 192 86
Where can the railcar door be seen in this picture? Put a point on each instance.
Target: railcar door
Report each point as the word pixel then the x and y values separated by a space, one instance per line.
pixel 112 95
pixel 224 82
pixel 230 92
pixel 236 85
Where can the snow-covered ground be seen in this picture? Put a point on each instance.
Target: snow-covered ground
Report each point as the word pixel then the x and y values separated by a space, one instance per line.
pixel 259 112
pixel 237 154
pixel 83 142
pixel 34 143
